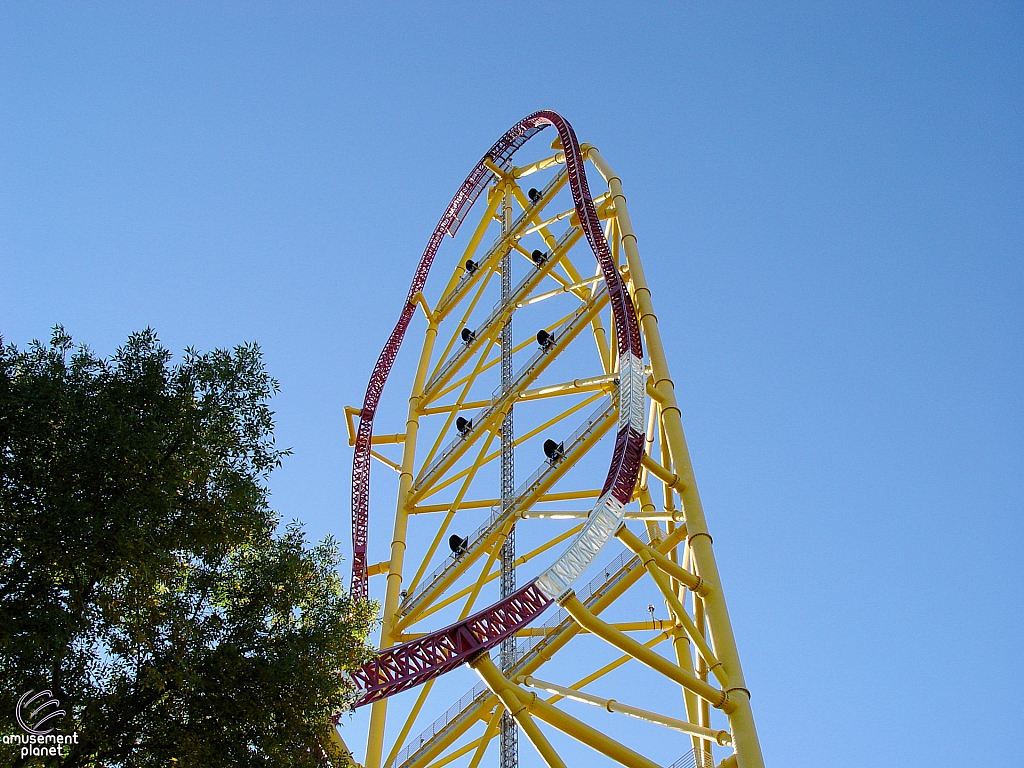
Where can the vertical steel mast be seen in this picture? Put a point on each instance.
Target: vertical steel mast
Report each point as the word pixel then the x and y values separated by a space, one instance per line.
pixel 509 735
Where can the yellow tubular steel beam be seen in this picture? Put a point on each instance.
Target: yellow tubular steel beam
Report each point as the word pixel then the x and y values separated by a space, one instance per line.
pixel 580 286
pixel 495 551
pixel 441 310
pixel 565 723
pixel 454 507
pixel 558 254
pixel 378 711
pixel 693 704
pixel 433 748
pixel 574 514
pixel 560 639
pixel 552 390
pixel 476 551
pixel 443 432
pixel 660 472
pixel 463 750
pixel 455 336
pixel 611 705
pixel 556 159
pixel 645 656
pixel 585 734
pixel 489 733
pixel 681 616
pixel 421 301
pixel 493 362
pixel 692 582
pixel 507 693
pixel 386 461
pixel 658 625
pixel 335 744
pixel 748 748
pixel 568 496
pixel 670 498
pixel 423 509
pixel 610 666
pixel 553 645
pixel 559 291
pixel 702 668
pixel 435 607
pixel 604 347
pixel 407 726
pixel 654 531
pixel 652 415
pixel 434 489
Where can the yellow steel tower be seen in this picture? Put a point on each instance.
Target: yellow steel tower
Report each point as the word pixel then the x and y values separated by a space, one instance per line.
pixel 613 598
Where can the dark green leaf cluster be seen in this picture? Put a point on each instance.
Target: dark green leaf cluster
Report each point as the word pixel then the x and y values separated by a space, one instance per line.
pixel 141 579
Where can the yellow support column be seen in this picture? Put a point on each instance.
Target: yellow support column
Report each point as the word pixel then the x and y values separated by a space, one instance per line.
pixel 378 710
pixel 748 748
pixel 555 717
pixel 506 693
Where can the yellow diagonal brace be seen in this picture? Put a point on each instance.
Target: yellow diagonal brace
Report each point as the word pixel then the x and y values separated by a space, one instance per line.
pixel 682 617
pixel 489 733
pixel 556 159
pixel 691 581
pixel 658 663
pixel 612 705
pixel 478 548
pixel 507 693
pixel 420 699
pixel 610 666
pixel 553 716
pixel 451 758
pixel 666 476
pixel 448 295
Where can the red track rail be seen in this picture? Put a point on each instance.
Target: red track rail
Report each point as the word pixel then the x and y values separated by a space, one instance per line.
pixel 410 664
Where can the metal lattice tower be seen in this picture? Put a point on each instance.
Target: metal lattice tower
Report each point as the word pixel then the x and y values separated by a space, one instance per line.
pixel 509 735
pixel 599 547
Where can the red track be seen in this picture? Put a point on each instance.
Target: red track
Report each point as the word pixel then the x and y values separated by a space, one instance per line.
pixel 410 664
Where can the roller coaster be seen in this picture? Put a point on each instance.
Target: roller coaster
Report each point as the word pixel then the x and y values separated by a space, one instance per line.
pixel 519 343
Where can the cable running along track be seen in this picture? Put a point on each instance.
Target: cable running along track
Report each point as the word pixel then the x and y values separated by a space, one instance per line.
pixel 461 423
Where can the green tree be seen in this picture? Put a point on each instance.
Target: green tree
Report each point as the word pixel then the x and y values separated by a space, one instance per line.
pixel 141 578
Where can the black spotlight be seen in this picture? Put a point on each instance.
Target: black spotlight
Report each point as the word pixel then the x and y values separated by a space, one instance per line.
pixel 459 546
pixel 463 425
pixel 534 195
pixel 545 339
pixel 538 258
pixel 468 335
pixel 554 451
pixel 471 266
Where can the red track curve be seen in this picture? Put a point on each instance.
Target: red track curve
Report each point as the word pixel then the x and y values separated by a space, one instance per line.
pixel 405 666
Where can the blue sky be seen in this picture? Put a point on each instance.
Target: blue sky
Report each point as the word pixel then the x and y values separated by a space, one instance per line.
pixel 828 199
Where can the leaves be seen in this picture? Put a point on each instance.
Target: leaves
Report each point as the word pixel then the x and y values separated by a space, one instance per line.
pixel 140 577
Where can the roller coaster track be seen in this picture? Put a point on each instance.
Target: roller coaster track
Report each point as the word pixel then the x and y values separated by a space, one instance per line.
pixel 410 664
pixel 633 418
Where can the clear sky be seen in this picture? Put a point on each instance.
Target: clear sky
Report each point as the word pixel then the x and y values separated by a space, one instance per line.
pixel 828 199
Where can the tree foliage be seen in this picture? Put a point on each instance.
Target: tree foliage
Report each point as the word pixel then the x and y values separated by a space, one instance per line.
pixel 141 579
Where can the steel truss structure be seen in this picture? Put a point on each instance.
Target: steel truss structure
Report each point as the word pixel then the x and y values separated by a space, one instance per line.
pixel 587 340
